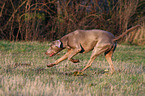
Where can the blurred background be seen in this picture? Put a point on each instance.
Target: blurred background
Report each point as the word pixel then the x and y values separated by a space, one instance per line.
pixel 41 20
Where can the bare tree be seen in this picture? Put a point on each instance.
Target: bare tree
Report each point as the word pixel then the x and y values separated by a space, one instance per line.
pixel 51 19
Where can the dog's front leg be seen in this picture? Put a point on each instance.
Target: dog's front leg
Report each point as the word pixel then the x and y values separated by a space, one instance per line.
pixel 60 59
pixel 73 60
pixel 74 52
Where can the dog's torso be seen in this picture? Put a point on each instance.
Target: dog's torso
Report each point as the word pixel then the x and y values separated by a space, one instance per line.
pixel 88 39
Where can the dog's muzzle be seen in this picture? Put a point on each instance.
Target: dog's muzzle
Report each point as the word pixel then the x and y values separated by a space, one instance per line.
pixel 50 54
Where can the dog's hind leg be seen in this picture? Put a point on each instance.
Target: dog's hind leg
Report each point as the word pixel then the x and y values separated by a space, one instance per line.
pixel 108 56
pixel 97 51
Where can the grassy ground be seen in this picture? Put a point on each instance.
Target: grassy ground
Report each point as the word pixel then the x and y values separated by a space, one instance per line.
pixel 23 72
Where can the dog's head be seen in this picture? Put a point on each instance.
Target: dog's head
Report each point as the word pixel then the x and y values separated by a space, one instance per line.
pixel 55 47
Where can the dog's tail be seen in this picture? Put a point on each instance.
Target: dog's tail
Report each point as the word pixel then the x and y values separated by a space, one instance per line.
pixel 120 36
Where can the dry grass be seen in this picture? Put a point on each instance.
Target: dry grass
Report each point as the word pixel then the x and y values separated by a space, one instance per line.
pixel 24 73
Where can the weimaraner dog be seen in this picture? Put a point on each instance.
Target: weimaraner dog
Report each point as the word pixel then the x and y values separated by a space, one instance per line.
pixel 82 41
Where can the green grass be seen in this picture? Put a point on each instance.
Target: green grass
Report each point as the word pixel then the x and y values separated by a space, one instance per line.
pixel 23 72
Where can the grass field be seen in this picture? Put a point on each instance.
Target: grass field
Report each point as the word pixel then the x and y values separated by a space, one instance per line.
pixel 23 72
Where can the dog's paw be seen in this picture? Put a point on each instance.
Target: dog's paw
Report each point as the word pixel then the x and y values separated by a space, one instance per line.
pixel 50 65
pixel 78 73
pixel 74 60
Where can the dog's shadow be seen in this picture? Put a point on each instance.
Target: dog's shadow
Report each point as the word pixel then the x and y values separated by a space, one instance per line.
pixel 88 72
pixel 93 71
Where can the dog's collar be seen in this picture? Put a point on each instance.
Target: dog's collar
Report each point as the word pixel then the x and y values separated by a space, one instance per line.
pixel 61 45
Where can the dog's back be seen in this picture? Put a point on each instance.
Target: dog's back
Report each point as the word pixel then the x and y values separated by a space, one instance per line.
pixel 88 38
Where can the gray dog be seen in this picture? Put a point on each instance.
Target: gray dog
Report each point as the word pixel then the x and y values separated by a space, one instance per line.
pixel 82 41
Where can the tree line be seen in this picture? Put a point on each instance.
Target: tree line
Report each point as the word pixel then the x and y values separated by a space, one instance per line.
pixel 51 19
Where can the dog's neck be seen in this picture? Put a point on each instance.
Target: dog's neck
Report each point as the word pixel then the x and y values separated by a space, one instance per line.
pixel 64 41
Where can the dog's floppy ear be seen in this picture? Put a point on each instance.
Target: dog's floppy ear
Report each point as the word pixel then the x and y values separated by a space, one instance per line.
pixel 58 43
